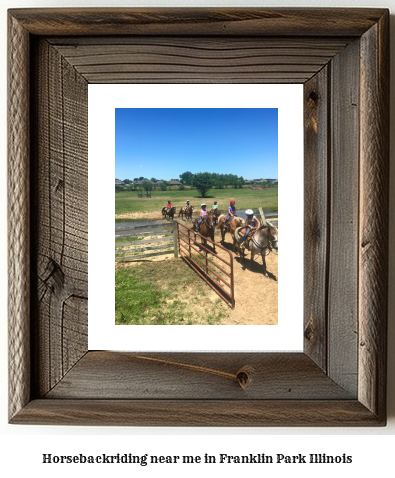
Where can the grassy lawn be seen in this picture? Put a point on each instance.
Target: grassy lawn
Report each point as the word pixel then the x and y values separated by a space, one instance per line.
pixel 127 201
pixel 163 293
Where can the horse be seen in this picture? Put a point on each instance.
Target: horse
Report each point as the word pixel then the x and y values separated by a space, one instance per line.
pixel 187 211
pixel 225 229
pixel 216 214
pixel 233 225
pixel 169 212
pixel 265 237
pixel 206 228
pixel 242 224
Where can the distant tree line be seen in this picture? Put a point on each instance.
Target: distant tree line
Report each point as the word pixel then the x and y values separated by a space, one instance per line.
pixel 203 182
pixel 218 181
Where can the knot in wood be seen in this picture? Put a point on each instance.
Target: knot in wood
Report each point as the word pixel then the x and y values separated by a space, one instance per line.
pixel 313 96
pixel 308 332
pixel 244 376
pixel 54 277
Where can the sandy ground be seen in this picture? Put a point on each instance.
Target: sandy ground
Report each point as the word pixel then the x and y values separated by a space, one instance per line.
pixel 144 216
pixel 256 296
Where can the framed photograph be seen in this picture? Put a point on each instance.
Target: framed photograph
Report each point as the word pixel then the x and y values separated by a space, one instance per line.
pixel 341 57
pixel 223 128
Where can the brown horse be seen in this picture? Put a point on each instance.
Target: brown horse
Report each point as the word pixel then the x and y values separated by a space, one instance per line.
pixel 206 228
pixel 233 225
pixel 187 212
pixel 216 215
pixel 169 212
pixel 237 222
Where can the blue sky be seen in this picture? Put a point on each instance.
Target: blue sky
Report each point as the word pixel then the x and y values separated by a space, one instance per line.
pixel 164 143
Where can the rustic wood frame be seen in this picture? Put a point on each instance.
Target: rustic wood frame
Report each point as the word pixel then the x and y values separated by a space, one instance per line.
pixel 342 58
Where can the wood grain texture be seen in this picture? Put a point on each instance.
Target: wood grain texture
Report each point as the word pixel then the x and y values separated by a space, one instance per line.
pixel 202 413
pixel 374 207
pixel 197 59
pixel 344 210
pixel 61 205
pixel 18 214
pixel 316 214
pixel 196 376
pixel 331 22
pixel 348 226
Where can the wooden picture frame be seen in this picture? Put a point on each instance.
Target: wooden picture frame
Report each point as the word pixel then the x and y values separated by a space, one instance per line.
pixel 342 58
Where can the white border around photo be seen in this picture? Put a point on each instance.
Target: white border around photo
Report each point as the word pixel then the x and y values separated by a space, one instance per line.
pixel 103 333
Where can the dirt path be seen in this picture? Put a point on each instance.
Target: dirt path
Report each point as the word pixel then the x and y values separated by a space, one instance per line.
pixel 256 296
pixel 144 216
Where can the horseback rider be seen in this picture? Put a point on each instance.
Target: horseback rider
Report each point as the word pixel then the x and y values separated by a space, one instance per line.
pixel 251 223
pixel 203 214
pixel 216 213
pixel 187 206
pixel 231 211
pixel 168 205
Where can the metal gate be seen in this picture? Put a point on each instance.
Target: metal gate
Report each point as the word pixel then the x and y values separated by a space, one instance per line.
pixel 211 267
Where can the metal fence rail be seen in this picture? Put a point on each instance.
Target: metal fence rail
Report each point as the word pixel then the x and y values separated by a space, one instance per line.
pixel 188 246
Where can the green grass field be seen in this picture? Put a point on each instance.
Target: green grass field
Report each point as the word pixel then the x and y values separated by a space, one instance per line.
pixel 160 294
pixel 127 201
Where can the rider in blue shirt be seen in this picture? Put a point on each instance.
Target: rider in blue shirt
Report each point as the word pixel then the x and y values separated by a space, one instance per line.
pixel 231 211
